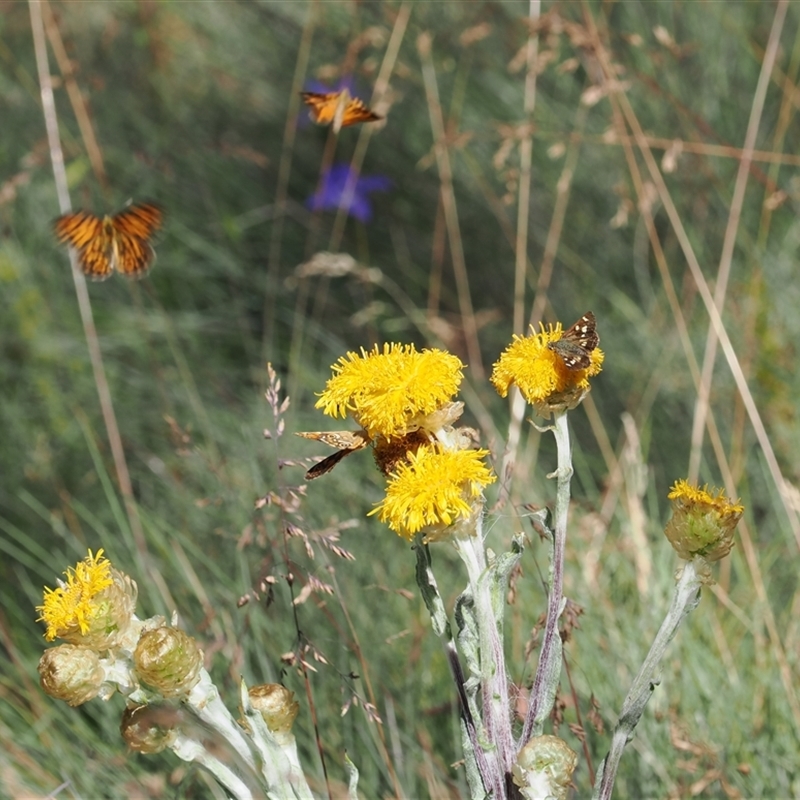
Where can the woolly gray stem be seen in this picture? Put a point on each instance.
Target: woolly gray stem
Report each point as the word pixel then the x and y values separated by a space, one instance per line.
pixel 549 668
pixel 684 600
pixel 492 781
pixel 494 681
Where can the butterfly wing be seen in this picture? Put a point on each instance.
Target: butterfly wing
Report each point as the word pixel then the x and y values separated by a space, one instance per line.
pixel 348 441
pixel 338 108
pixel 133 255
pixel 577 342
pixel 322 105
pixel 357 111
pixel 120 242
pixel 327 464
pixel 88 235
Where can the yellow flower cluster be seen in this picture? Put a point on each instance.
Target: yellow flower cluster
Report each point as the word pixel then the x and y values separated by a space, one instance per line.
pixel 389 393
pixel 403 399
pixel 433 490
pixel 541 374
pixel 94 611
pixel 73 606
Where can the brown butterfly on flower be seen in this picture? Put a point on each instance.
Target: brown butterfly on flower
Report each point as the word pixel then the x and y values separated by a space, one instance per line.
pixel 577 342
pixel 347 441
pixel 338 108
pixel 118 242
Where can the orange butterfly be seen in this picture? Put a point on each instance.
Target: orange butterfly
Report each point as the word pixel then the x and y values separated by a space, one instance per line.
pixel 120 242
pixel 338 108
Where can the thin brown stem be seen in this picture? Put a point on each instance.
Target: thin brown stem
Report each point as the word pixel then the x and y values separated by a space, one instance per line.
pixel 84 304
pixel 468 321
pixel 731 231
pixel 75 96
pixel 525 160
pixel 282 187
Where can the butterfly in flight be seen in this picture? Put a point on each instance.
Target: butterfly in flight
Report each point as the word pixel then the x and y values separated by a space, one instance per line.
pixel 348 442
pixel 577 342
pixel 338 108
pixel 118 242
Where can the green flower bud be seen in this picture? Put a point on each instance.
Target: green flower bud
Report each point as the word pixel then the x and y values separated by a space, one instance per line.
pixel 702 524
pixel 70 673
pixel 544 768
pixel 148 729
pixel 277 706
pixel 169 660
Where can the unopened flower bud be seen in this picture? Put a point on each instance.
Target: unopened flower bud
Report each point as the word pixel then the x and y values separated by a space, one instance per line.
pixel 544 768
pixel 70 673
pixel 147 729
pixel 702 523
pixel 169 660
pixel 277 706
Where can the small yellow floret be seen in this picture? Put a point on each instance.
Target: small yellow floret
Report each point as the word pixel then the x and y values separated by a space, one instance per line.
pixel 433 490
pixel 539 372
pixel 73 604
pixel 386 391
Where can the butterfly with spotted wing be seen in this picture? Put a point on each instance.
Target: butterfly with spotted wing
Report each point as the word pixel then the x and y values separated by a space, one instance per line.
pixel 347 441
pixel 577 342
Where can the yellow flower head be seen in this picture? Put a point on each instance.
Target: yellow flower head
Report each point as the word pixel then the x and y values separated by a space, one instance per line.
pixel 541 373
pixel 93 607
pixel 434 490
pixel 702 523
pixel 389 393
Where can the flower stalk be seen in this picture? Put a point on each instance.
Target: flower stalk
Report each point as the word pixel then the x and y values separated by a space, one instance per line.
pixel 483 588
pixel 684 600
pixel 548 671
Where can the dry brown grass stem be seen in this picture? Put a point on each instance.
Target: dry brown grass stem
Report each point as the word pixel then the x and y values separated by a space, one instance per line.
pixel 75 96
pixel 563 188
pixel 764 608
pixel 731 232
pixel 705 294
pixel 543 279
pixel 525 159
pixel 282 186
pixel 365 133
pixel 364 672
pixel 518 404
pixel 359 154
pixel 697 148
pixel 424 48
pixel 81 291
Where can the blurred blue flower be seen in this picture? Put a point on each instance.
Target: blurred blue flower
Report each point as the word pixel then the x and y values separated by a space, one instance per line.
pixel 330 194
pixel 346 82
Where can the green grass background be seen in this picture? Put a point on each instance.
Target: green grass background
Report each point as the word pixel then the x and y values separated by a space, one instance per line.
pixel 193 105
